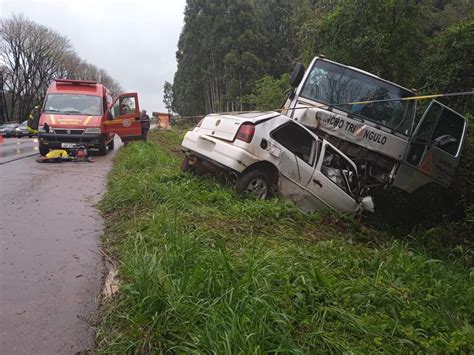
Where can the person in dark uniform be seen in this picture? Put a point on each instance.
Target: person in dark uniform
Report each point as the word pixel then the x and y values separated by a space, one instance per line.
pixel 145 124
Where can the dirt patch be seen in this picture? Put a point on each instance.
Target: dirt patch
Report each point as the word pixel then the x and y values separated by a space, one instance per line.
pixel 111 283
pixel 167 140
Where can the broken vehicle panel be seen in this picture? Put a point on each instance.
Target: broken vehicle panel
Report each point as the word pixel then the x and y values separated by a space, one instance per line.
pixel 272 152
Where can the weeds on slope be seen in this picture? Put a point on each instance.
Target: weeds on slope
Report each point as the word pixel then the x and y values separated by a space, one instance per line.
pixel 206 272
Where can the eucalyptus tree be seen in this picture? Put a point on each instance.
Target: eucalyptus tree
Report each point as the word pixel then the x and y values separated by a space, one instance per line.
pixel 219 56
pixel 168 97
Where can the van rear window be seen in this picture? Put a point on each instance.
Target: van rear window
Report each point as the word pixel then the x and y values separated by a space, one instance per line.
pixel 73 104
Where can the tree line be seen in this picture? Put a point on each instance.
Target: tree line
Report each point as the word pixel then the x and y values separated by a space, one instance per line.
pixel 31 56
pixel 232 54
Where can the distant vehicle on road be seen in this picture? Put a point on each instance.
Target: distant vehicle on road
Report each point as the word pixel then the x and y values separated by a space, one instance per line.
pixel 22 131
pixel 269 153
pixel 8 129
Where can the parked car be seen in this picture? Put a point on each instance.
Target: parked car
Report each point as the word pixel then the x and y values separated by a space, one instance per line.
pixel 22 131
pixel 270 153
pixel 8 129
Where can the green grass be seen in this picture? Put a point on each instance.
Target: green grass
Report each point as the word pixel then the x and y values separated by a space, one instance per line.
pixel 206 272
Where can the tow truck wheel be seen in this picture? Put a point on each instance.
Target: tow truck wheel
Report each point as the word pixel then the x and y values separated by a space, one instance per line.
pixel 111 144
pixel 43 150
pixel 254 183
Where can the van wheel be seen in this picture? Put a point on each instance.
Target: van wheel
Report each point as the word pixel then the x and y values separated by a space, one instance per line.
pixel 43 150
pixel 111 144
pixel 103 148
pixel 254 183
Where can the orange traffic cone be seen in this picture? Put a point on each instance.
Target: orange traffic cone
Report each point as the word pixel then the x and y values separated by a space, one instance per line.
pixel 1 138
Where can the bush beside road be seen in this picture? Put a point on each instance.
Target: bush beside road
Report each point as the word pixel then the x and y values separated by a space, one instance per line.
pixel 204 271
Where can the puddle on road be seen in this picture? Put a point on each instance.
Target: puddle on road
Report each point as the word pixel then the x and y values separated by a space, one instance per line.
pixel 13 152
pixel 18 148
pixel 18 142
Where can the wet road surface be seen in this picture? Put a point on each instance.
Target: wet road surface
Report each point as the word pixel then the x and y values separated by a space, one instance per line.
pixel 50 266
pixel 17 148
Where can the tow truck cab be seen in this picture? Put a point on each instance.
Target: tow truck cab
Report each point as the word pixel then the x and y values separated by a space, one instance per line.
pixel 380 137
pixel 80 112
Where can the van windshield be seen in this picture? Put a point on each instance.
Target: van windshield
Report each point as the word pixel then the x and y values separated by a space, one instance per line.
pixel 73 104
pixel 336 85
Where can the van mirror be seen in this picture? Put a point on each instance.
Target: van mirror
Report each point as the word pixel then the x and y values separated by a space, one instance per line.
pixel 297 75
pixel 109 115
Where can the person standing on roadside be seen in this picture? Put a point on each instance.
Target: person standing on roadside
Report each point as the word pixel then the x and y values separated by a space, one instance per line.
pixel 33 120
pixel 145 124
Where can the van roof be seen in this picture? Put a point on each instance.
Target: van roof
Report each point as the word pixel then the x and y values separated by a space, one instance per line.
pixel 85 87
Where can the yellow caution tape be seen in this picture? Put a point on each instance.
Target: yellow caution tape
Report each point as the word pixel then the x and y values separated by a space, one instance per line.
pixel 410 98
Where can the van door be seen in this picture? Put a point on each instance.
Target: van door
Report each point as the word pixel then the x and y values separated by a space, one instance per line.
pixel 335 180
pixel 435 149
pixel 123 117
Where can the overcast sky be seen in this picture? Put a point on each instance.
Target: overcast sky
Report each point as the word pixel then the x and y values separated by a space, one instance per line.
pixel 135 41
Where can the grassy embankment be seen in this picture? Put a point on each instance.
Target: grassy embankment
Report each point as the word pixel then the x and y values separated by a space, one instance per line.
pixel 205 271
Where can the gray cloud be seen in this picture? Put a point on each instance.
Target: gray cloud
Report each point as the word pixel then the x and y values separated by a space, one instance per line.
pixel 135 41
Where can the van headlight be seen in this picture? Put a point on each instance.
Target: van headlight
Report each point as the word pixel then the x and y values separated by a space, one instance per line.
pixel 92 130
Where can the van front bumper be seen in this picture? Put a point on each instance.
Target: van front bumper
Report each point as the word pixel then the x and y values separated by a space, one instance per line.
pixel 55 141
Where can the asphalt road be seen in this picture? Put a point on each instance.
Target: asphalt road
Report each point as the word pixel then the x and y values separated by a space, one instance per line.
pixel 16 148
pixel 51 269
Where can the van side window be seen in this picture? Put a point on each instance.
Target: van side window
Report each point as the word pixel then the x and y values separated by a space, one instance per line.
pixel 340 171
pixel 297 140
pixel 448 132
pixel 123 106
pixel 440 127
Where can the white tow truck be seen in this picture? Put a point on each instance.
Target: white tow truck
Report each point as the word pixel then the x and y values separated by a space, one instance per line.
pixel 380 137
